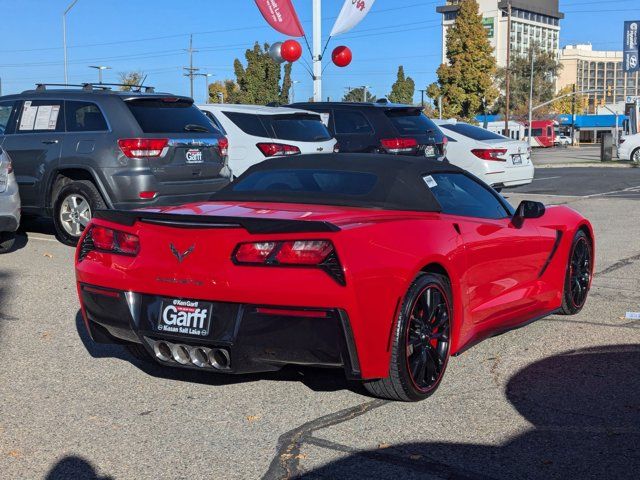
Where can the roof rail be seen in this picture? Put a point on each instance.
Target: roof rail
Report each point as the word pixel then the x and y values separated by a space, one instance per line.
pixel 41 87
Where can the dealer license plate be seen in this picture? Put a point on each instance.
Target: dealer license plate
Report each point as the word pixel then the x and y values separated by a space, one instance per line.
pixel 517 159
pixel 194 155
pixel 185 317
pixel 429 151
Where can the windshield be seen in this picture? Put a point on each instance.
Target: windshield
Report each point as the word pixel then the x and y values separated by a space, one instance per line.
pixel 160 116
pixel 476 133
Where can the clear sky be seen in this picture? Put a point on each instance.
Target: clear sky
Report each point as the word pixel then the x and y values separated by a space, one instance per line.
pixel 151 36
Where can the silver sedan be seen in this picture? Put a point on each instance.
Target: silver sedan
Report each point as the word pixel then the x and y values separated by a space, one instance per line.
pixel 9 204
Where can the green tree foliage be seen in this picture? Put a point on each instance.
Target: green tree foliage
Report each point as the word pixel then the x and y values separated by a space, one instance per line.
pixel 545 70
pixel 259 81
pixel 357 95
pixel 227 88
pixel 403 89
pixel 467 79
pixel 130 79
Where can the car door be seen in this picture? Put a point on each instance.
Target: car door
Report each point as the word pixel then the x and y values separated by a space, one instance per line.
pixel 504 261
pixel 34 145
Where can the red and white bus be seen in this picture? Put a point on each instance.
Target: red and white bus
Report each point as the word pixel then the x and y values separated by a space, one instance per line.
pixel 542 133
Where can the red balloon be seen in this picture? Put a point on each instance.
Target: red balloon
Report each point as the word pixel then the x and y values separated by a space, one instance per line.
pixel 341 56
pixel 291 51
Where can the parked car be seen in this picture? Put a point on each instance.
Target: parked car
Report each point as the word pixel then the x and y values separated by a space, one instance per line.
pixel 498 160
pixel 258 132
pixel 629 148
pixel 77 150
pixel 9 203
pixel 562 140
pixel 381 127
pixel 382 265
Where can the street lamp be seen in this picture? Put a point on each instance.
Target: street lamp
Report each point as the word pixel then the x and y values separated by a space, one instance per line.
pixel 64 39
pixel 293 90
pixel 100 68
pixel 206 81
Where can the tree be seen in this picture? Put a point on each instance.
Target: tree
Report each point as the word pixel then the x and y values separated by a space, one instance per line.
pixel 467 79
pixel 545 70
pixel 403 89
pixel 131 79
pixel 565 104
pixel 259 82
pixel 224 89
pixel 357 95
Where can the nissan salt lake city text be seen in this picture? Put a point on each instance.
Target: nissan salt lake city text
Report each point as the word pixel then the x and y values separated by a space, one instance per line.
pixel 383 266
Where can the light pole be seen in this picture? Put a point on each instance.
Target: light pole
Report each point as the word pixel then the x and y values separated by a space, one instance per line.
pixel 533 59
pixel 206 82
pixel 64 38
pixel 100 68
pixel 317 50
pixel 293 91
pixel 364 93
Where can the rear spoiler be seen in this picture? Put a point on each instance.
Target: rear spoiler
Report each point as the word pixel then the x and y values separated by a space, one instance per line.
pixel 252 225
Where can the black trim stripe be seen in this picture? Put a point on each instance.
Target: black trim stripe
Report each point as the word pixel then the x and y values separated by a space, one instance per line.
pixel 552 253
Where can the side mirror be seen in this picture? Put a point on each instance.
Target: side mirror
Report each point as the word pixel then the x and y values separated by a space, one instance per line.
pixel 527 209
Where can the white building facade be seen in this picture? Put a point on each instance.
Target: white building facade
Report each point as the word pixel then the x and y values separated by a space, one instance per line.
pixel 533 22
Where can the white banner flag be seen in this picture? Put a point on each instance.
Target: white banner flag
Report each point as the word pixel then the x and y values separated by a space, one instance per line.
pixel 352 13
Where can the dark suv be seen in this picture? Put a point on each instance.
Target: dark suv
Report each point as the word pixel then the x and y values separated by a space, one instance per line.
pixel 381 127
pixel 75 150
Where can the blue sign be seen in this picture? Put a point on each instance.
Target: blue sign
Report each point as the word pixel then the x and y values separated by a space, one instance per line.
pixel 630 51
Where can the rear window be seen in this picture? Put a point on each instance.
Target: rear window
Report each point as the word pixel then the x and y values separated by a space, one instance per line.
pixel 301 128
pixel 411 122
pixel 158 116
pixel 308 182
pixel 475 133
pixel 249 123
pixel 351 122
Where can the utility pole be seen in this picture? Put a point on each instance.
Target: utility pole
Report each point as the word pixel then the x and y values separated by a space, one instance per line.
pixel 293 91
pixel 206 83
pixel 508 74
pixel 440 107
pixel 422 97
pixel 364 93
pixel 317 50
pixel 573 113
pixel 100 68
pixel 191 71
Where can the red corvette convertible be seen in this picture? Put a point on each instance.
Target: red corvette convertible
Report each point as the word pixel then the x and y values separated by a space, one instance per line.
pixel 383 266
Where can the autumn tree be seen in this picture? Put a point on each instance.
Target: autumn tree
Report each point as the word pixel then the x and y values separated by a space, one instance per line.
pixel 221 91
pixel 403 89
pixel 467 79
pixel 545 70
pixel 131 79
pixel 259 82
pixel 357 95
pixel 564 102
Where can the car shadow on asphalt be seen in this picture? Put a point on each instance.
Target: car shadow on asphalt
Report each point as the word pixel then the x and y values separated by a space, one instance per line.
pixel 584 411
pixel 74 467
pixel 316 379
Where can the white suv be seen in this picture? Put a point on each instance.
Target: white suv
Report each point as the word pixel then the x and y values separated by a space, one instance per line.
pixel 629 148
pixel 257 132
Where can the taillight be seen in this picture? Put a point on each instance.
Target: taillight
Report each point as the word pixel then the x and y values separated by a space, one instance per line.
pixel 142 147
pixel 300 253
pixel 399 145
pixel 9 167
pixel 277 149
pixel 109 240
pixel 223 146
pixel 445 143
pixel 336 148
pixel 494 154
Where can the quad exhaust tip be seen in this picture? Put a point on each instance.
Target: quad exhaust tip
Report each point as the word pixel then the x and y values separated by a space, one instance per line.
pixel 203 357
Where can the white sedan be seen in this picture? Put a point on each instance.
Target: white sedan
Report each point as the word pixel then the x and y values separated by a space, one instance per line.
pixel 257 132
pixel 629 148
pixel 499 161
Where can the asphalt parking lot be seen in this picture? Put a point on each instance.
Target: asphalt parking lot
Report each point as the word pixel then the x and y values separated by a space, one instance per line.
pixel 557 399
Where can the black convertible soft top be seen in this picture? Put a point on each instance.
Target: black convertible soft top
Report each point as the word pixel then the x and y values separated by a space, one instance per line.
pixel 398 184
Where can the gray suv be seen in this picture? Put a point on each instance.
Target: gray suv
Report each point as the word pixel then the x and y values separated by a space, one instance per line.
pixel 76 150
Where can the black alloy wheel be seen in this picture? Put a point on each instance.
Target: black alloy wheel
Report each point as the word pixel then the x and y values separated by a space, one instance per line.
pixel 421 342
pixel 578 276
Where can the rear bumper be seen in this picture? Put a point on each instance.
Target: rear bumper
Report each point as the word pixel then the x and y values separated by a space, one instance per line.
pixel 256 338
pixel 10 209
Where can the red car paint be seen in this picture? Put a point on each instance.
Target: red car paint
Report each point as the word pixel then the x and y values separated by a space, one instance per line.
pixel 494 267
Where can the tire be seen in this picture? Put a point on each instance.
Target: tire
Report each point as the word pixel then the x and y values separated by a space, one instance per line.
pixel 70 216
pixel 428 342
pixel 139 352
pixel 635 156
pixel 577 279
pixel 7 239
